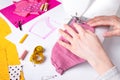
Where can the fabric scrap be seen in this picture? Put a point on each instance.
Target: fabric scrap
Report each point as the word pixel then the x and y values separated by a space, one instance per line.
pixel 14 71
pixel 4 28
pixel 25 8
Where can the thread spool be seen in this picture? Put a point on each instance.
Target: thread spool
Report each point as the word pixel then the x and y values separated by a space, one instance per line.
pixel 23 38
pixel 24 54
pixel 46 7
pixel 42 7
pixel 37 57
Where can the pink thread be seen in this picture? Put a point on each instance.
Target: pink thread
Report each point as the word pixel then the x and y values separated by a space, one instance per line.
pixel 24 54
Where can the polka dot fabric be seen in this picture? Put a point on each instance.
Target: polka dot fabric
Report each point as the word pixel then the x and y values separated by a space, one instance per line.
pixel 14 72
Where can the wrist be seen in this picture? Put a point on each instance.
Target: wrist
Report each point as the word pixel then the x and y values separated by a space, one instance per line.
pixel 101 63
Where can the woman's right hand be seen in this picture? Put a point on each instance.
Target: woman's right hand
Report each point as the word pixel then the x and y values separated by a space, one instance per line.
pixel 112 21
pixel 85 44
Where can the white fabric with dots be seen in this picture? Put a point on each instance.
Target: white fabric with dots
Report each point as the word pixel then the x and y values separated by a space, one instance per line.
pixel 14 72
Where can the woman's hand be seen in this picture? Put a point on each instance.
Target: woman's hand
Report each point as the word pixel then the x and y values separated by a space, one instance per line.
pixel 112 21
pixel 86 45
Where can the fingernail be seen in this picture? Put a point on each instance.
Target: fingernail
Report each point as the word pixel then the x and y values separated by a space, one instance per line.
pixel 60 30
pixel 65 24
pixel 90 24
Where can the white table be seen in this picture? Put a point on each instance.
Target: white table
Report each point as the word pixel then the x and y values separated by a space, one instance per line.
pixel 80 72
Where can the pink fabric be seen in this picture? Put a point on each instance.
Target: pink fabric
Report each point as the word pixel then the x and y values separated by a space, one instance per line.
pixel 63 59
pixel 24 8
pixel 13 18
pixel 34 0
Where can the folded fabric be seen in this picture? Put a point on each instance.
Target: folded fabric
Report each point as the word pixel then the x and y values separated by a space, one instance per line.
pixel 8 55
pixel 33 0
pixel 24 8
pixel 4 75
pixel 4 28
pixel 62 58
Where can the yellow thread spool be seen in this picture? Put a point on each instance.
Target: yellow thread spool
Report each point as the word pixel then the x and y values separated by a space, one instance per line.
pixel 37 57
pixel 23 38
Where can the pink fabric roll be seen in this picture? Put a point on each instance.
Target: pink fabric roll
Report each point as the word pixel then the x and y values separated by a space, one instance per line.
pixel 63 59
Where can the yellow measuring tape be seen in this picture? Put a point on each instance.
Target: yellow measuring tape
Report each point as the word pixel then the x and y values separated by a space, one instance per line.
pixel 37 57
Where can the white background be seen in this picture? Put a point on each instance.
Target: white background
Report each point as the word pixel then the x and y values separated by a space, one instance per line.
pixel 80 72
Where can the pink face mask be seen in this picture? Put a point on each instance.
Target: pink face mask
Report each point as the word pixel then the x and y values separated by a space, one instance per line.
pixel 63 59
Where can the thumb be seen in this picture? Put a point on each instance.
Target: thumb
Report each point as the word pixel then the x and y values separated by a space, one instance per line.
pixel 112 33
